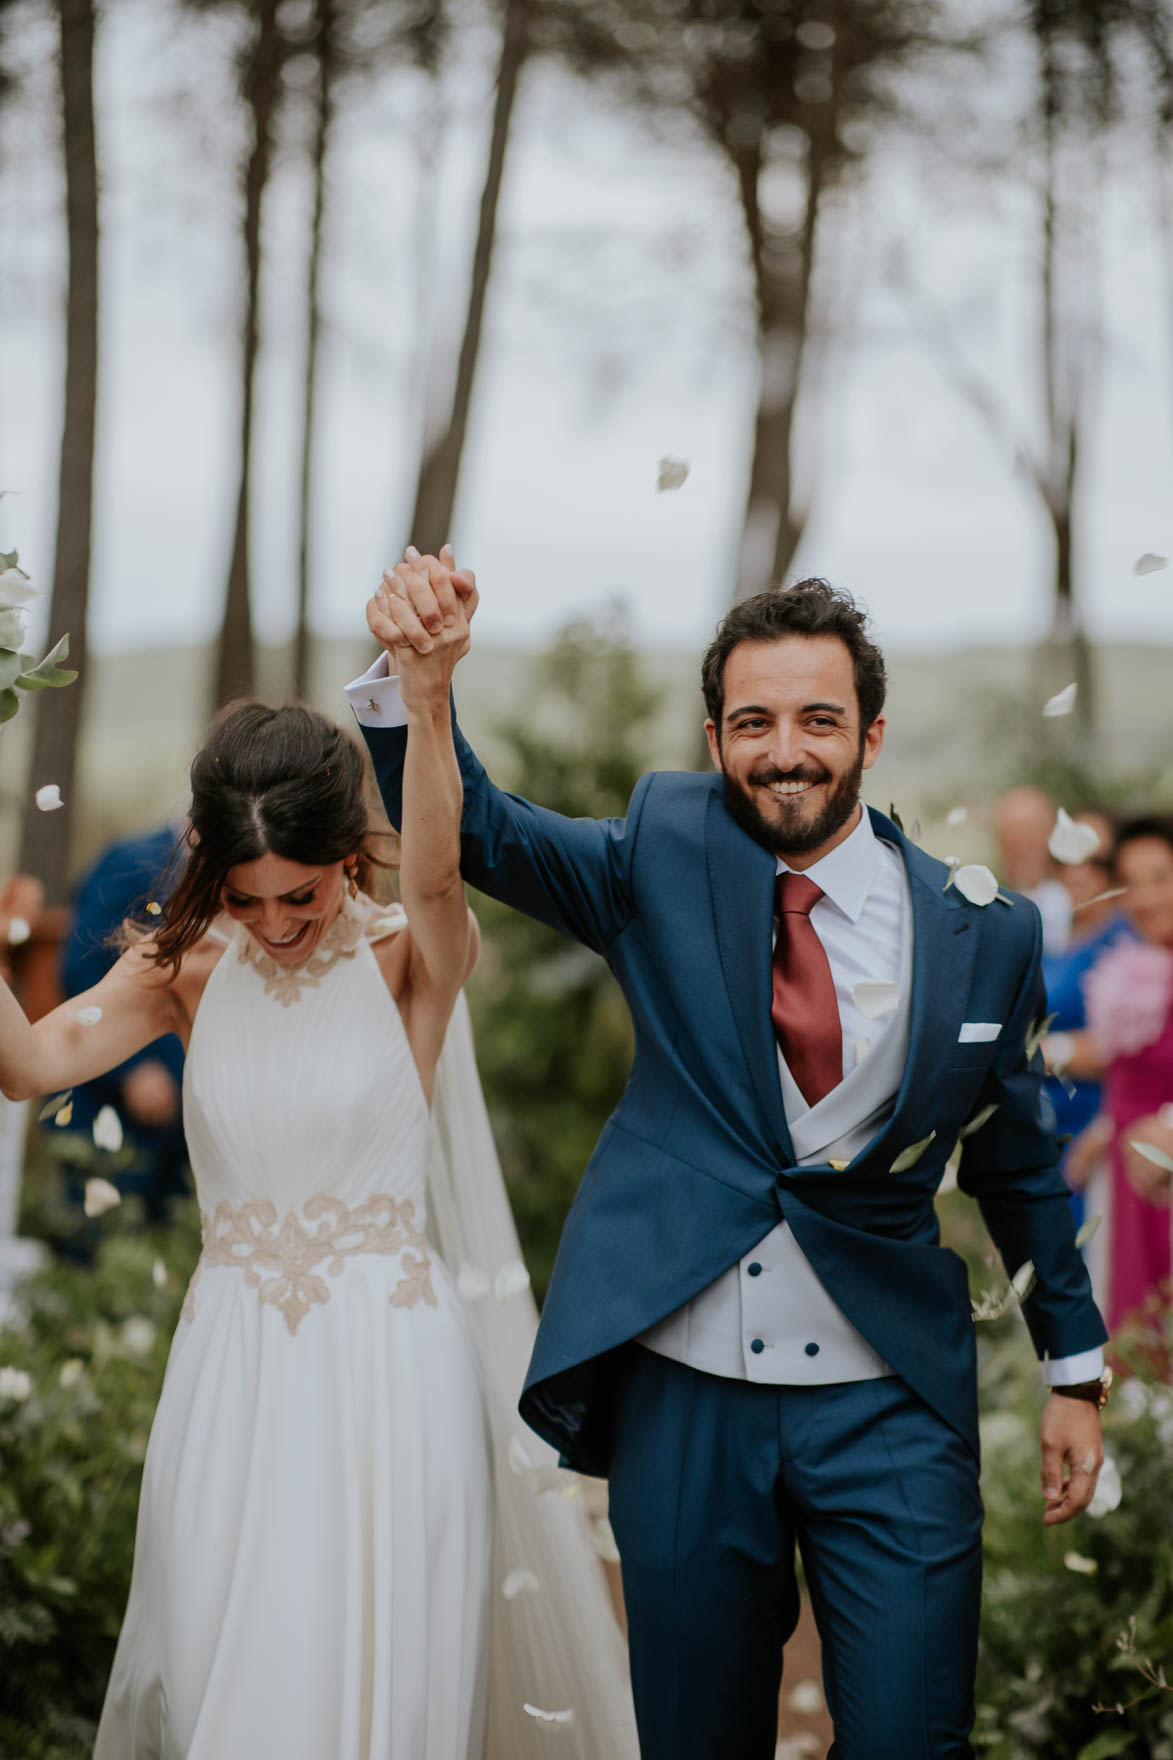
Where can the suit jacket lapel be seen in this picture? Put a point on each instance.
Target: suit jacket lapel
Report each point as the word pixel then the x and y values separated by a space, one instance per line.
pixel 741 875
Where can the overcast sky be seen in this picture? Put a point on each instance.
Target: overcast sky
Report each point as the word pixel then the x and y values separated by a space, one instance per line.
pixel 616 334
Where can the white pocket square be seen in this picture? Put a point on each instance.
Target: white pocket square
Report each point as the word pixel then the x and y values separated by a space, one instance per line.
pixel 978 1032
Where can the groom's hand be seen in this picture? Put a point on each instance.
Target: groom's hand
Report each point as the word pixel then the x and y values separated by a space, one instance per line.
pixel 419 599
pixel 1072 1444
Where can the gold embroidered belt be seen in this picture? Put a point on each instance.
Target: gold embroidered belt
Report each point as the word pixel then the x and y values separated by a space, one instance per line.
pixel 284 1260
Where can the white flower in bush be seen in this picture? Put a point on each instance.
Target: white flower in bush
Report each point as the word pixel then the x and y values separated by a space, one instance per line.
pixel 100 1196
pixel 1109 1490
pixel 138 1335
pixel 71 1372
pixel 15 1384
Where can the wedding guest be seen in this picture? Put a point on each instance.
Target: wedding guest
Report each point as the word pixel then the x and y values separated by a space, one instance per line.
pixel 1023 820
pixel 1129 995
pixel 1098 923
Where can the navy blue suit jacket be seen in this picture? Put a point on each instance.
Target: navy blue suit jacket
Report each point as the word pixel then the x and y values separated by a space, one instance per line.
pixel 695 1165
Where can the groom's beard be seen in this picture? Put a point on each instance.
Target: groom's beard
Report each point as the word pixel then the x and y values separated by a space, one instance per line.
pixel 788 829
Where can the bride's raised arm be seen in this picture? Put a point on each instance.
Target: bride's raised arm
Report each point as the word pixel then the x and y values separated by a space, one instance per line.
pixel 91 1033
pixel 443 931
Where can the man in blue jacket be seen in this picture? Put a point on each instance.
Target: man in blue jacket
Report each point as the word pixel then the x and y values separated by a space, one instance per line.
pixel 751 1327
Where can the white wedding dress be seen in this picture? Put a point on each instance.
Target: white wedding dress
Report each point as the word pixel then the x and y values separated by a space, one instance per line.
pixel 320 1557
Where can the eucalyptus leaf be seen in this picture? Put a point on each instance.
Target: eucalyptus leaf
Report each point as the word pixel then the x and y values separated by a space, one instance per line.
pixel 47 674
pixel 9 668
pixel 979 1119
pixel 52 1107
pixel 9 704
pixel 910 1156
pixel 1089 1230
pixel 8 559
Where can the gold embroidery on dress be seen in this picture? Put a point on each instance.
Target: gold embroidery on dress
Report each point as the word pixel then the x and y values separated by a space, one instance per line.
pixel 283 1262
pixel 286 983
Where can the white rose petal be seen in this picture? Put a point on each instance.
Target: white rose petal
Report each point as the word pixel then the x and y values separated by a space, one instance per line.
pixel 12 627
pixel 672 474
pixel 1072 842
pixel 138 1335
pixel 16 588
pixel 71 1372
pixel 518 1582
pixel 154 909
pixel 108 1131
pixel 15 1384
pixel 875 997
pixel 1085 1567
pixel 48 799
pixel 1146 564
pixel 806 1699
pixel 976 883
pixel 159 1274
pixel 552 1719
pixel 1063 702
pixel 511 1280
pixel 100 1196
pixel 1109 1490
pixel 472 1284
pixel 89 1017
pixel 956 816
pixel 19 931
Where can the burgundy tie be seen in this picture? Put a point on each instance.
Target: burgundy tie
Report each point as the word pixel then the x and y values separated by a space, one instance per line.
pixel 805 1011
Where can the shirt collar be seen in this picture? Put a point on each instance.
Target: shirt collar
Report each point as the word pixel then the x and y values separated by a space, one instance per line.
pixel 846 874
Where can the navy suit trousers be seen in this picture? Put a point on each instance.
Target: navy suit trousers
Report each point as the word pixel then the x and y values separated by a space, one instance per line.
pixel 714 1486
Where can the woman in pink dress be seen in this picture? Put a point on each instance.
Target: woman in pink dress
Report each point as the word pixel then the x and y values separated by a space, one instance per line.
pixel 1130 1039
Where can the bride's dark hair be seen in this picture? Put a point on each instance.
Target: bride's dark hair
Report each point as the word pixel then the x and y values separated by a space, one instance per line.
pixel 283 782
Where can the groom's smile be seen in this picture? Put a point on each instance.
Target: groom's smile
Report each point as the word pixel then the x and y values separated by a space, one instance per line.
pixel 790 745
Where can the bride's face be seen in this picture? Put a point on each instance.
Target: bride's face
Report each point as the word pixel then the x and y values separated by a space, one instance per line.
pixel 285 906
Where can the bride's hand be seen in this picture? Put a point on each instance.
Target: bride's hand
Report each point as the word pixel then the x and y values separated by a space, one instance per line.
pixel 419 599
pixel 425 671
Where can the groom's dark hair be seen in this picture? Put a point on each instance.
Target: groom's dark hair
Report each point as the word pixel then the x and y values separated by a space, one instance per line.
pixel 809 608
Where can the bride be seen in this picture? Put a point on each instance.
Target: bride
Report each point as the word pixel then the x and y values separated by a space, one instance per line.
pixel 343 1547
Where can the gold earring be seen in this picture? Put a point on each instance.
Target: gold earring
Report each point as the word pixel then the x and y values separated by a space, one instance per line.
pixel 351 883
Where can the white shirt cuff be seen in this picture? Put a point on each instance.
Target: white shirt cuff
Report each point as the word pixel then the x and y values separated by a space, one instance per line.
pixel 1070 1371
pixel 375 697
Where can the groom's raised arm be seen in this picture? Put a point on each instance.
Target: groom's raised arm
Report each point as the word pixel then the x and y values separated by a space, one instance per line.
pixel 573 874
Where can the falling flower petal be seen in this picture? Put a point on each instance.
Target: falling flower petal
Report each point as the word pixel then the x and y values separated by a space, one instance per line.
pixel 511 1280
pixel 673 474
pixel 1071 841
pixel 1109 1489
pixel 15 1384
pixel 839 1166
pixel 1158 1157
pixel 976 883
pixel 910 1156
pixel 472 1284
pixel 956 816
pixel 805 1699
pixel 553 1719
pixel 1089 1230
pixel 108 1131
pixel 19 930
pixel 154 909
pixel 71 1372
pixel 48 799
pixel 1100 898
pixel 1024 1280
pixel 603 1541
pixel 978 1120
pixel 518 1582
pixel 89 1017
pixel 1085 1567
pixel 65 1116
pixel 1149 563
pixel 1037 1034
pixel 100 1196
pixel 860 1051
pixel 159 1274
pixel 52 1107
pixel 875 997
pixel 1063 702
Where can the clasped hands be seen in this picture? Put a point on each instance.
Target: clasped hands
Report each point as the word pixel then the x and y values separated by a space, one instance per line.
pixel 420 614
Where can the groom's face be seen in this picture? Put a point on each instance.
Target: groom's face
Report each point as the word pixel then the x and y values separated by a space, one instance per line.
pixel 790 744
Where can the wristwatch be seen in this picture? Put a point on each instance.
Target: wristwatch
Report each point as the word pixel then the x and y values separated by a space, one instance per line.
pixel 1095 1392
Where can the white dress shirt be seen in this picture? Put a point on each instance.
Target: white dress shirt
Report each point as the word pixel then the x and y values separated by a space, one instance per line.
pixel 769 1318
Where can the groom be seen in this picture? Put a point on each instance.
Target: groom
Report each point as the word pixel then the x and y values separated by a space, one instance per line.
pixel 751 1328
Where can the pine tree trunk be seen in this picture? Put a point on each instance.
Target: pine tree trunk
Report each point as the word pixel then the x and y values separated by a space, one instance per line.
pixel 439 475
pixel 235 658
pixel 325 21
pixel 46 836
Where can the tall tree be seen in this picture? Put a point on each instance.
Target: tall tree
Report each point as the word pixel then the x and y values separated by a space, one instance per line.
pixel 447 424
pixel 260 88
pixel 46 836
